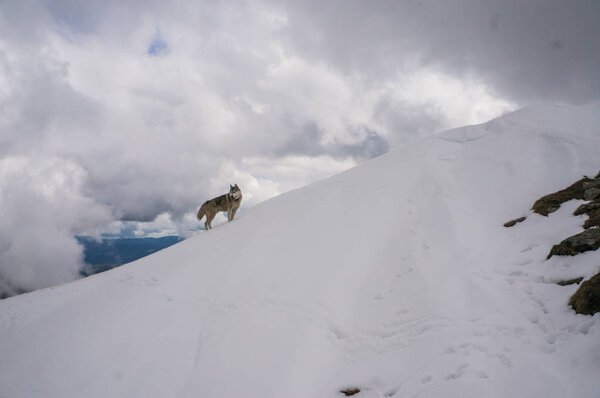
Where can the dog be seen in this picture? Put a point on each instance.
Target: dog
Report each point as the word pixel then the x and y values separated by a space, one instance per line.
pixel 230 203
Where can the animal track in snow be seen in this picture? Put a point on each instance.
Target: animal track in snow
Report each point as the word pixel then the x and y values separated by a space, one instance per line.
pixel 151 282
pixel 529 248
pixel 482 375
pixel 458 372
pixel 518 273
pixel 504 360
pixel 379 338
pixel 524 262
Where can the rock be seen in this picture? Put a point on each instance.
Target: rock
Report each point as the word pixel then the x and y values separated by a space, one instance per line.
pixel 587 207
pixel 591 194
pixel 593 220
pixel 512 223
pixel 591 189
pixel 586 299
pixel 592 210
pixel 570 281
pixel 350 391
pixel 579 243
pixel 550 203
pixel 595 183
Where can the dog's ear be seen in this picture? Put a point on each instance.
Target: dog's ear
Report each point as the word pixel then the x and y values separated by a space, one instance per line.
pixel 230 186
pixel 237 186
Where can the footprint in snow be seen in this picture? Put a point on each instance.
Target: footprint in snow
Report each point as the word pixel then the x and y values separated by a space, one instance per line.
pixel 458 372
pixel 522 263
pixel 482 375
pixel 528 248
pixel 427 379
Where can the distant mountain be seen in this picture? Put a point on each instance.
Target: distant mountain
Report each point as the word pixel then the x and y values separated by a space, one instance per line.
pixel 105 254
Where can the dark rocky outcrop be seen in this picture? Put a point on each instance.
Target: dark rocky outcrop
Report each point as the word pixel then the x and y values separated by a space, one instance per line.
pixel 593 220
pixel 586 299
pixel 350 391
pixel 592 210
pixel 512 223
pixel 591 189
pixel 550 203
pixel 591 194
pixel 570 281
pixel 579 243
pixel 587 207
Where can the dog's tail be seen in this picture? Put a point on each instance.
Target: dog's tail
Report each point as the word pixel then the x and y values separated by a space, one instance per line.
pixel 201 212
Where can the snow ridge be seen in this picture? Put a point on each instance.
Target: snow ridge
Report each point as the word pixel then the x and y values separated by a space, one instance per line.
pixel 396 278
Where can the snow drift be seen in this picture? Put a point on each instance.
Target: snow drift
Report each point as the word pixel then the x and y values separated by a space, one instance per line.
pixel 396 278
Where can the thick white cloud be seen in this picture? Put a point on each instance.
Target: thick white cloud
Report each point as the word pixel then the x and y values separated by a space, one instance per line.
pixel 160 105
pixel 42 205
pixel 538 50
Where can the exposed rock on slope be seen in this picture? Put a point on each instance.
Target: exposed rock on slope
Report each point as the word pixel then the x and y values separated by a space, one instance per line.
pixel 586 299
pixel 514 222
pixel 584 189
pixel 570 281
pixel 550 203
pixel 592 210
pixel 591 189
pixel 579 243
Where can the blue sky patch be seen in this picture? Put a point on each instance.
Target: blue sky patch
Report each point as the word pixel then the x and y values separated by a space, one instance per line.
pixel 158 47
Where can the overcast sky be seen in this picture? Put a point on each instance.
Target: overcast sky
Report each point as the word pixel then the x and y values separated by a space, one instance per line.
pixel 128 115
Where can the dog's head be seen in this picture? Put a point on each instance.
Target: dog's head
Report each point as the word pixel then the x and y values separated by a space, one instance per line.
pixel 235 191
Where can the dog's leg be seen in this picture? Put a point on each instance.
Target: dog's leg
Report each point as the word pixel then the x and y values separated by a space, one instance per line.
pixel 209 218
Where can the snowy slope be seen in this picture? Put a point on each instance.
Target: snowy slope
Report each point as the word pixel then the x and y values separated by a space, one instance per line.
pixel 396 277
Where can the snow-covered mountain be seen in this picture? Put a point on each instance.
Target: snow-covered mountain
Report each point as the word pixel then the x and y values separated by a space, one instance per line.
pixel 396 278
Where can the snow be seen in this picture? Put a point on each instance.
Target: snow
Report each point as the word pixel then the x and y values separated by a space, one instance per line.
pixel 396 277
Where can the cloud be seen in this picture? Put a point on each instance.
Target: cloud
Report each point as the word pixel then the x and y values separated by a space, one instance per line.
pixel 159 106
pixel 41 207
pixel 525 51
pixel 360 143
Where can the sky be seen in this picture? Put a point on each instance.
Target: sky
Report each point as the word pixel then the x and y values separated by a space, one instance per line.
pixel 123 117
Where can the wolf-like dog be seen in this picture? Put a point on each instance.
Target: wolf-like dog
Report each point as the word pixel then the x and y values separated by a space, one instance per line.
pixel 230 203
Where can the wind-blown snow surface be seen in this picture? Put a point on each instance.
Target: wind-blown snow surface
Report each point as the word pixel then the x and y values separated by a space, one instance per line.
pixel 396 277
